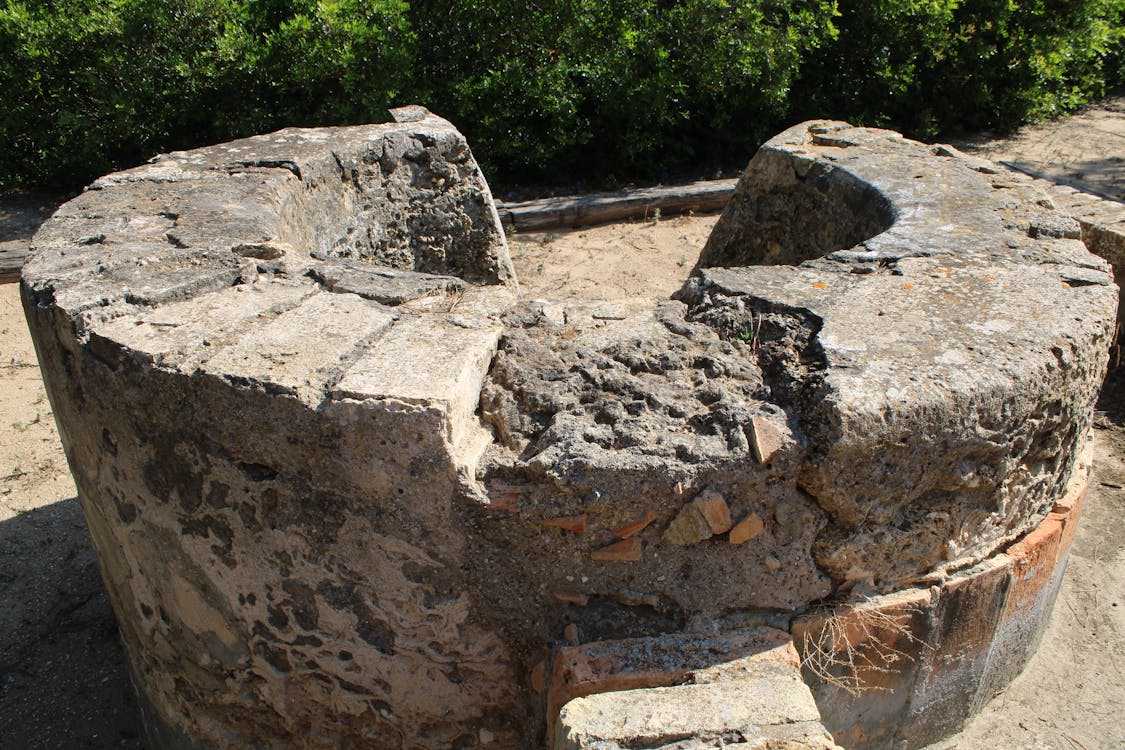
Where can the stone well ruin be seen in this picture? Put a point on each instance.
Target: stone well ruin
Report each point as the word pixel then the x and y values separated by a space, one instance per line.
pixel 348 489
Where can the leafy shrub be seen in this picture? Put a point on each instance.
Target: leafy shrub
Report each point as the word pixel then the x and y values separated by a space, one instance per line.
pixel 565 88
pixel 87 86
pixel 930 67
pixel 549 91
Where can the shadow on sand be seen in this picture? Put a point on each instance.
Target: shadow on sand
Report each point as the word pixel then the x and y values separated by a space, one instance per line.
pixel 63 679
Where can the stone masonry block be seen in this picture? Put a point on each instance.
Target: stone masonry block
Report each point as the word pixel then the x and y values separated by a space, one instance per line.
pixel 738 711
pixel 633 663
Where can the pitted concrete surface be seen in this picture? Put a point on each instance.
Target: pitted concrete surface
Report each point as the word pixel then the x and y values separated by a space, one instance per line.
pixel 345 487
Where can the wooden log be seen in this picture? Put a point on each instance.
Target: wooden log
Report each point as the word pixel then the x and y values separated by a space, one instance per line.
pixel 12 256
pixel 601 208
pixel 21 213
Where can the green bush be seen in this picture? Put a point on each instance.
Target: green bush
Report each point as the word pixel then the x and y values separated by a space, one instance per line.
pixel 932 67
pixel 87 86
pixel 562 89
pixel 549 92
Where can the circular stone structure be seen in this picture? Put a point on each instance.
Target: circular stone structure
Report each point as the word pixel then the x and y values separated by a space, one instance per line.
pixel 347 489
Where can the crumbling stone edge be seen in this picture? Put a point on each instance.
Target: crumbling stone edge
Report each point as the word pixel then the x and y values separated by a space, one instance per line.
pixel 1102 219
pixel 902 670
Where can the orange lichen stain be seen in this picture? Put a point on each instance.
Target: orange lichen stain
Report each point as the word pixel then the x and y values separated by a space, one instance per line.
pixel 627 550
pixel 509 501
pixel 990 278
pixel 820 285
pixel 571 597
pixel 907 286
pixel 1066 285
pixel 636 527
pixel 577 524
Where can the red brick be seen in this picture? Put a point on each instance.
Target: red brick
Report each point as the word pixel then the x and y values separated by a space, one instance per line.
pixel 765 438
pixel 1033 563
pixel 627 550
pixel 1037 569
pixel 747 529
pixel 714 509
pixel 1069 509
pixel 577 524
pixel 887 636
pixel 969 607
pixel 571 597
pixel 636 527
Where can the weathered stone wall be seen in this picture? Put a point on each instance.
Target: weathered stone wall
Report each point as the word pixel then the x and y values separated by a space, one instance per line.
pixel 267 454
pixel 347 489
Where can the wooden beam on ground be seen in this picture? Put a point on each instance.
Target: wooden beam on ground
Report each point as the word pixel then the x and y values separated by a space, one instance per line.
pixel 601 208
pixel 12 257
pixel 21 213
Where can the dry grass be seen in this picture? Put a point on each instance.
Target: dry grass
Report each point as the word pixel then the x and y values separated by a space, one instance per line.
pixel 858 645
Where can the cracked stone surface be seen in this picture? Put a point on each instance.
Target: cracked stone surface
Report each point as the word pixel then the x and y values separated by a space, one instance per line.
pixel 347 487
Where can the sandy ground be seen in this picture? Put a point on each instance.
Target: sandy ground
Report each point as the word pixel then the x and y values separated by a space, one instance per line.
pixel 63 680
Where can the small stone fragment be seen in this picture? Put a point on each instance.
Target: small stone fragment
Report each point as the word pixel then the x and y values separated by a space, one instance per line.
pixel 765 438
pixel 637 599
pixel 539 677
pixel 714 509
pixel 790 521
pixel 746 529
pixel 627 550
pixel 570 633
pixel 688 527
pixel 577 524
pixel 571 597
pixel 772 562
pixel 636 527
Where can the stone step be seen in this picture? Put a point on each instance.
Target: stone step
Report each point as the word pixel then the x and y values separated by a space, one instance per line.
pixel 685 691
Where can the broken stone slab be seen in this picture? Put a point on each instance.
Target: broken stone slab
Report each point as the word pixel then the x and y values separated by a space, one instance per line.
pixel 426 361
pixel 302 349
pixel 756 713
pixel 935 323
pixel 666 660
pixel 257 483
pixel 732 690
pixel 387 285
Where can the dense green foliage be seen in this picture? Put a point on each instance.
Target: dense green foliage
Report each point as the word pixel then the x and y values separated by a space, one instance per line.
pixel 87 86
pixel 934 66
pixel 550 91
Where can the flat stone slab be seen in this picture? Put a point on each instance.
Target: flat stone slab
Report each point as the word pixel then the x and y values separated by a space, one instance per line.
pixel 750 712
pixel 345 484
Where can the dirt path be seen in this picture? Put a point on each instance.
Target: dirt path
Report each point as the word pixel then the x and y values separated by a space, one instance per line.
pixel 63 680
